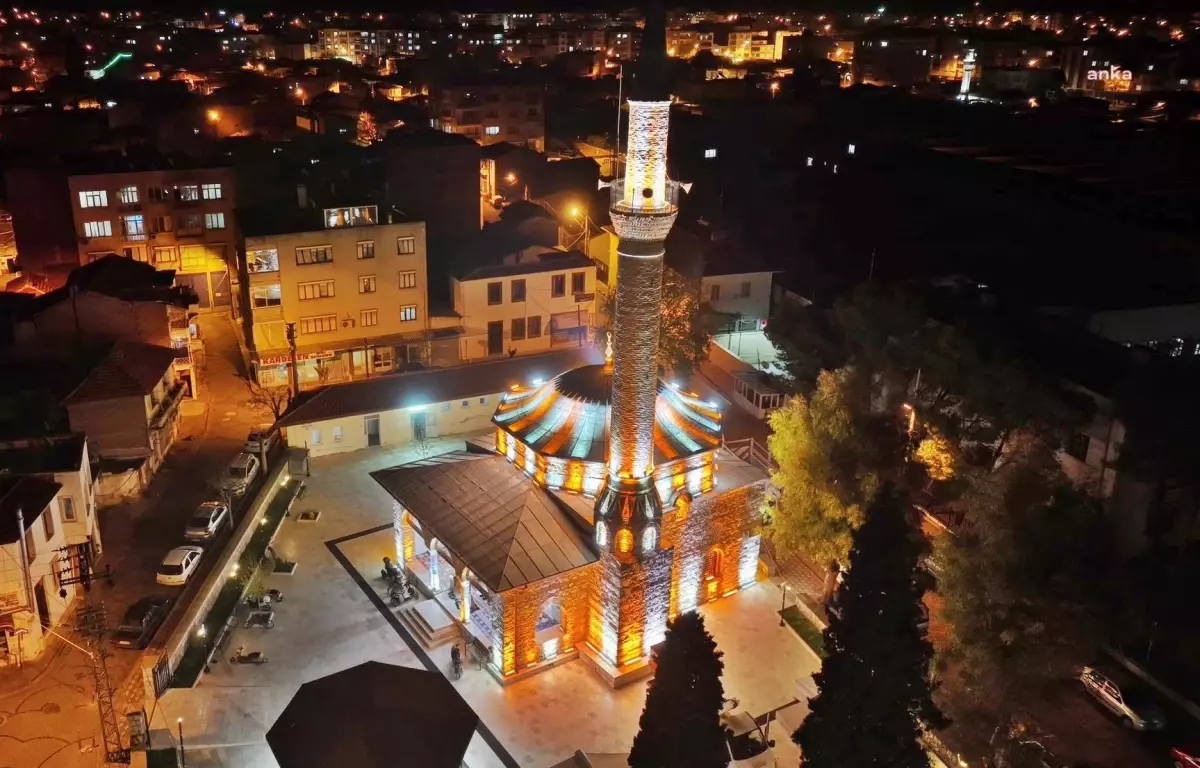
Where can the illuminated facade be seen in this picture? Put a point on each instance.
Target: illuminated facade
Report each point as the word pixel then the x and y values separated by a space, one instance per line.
pixel 601 513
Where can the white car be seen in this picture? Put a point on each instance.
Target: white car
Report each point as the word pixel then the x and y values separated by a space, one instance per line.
pixel 240 473
pixel 206 521
pixel 178 566
pixel 260 439
pixel 1130 704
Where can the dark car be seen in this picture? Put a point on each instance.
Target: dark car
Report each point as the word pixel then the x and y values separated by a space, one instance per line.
pixel 141 621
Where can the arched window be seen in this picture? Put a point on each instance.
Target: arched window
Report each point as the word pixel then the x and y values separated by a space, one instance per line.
pixel 624 540
pixel 683 506
pixel 714 564
pixel 601 533
pixel 649 539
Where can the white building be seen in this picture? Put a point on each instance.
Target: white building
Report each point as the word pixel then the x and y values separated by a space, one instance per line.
pixel 744 294
pixel 47 512
pixel 403 408
pixel 536 301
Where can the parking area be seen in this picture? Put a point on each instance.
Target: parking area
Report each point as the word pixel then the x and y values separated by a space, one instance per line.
pixel 329 621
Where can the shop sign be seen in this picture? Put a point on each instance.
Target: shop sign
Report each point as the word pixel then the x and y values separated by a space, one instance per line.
pixel 272 360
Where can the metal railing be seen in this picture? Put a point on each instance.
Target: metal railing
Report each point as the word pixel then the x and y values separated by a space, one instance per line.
pixel 617 199
pixel 752 451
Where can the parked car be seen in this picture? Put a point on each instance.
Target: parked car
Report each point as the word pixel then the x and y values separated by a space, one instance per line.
pixel 206 521
pixel 179 565
pixel 1127 702
pixel 260 439
pixel 240 473
pixel 141 621
pixel 1188 757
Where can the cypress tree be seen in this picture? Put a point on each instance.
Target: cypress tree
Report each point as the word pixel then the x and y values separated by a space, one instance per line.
pixel 873 688
pixel 681 722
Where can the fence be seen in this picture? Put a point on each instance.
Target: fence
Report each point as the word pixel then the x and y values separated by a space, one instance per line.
pixel 751 451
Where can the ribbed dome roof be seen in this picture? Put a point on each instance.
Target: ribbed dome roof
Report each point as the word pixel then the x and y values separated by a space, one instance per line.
pixel 567 417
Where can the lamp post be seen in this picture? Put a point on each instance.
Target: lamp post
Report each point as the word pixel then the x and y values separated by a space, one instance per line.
pixel 182 754
pixel 783 588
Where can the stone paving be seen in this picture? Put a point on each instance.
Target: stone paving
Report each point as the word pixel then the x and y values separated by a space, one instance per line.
pixel 327 622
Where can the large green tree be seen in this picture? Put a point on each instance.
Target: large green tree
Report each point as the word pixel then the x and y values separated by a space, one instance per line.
pixel 681 722
pixel 874 691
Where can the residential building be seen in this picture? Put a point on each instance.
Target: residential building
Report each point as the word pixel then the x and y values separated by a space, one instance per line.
pixel 352 286
pixel 128 406
pixel 434 177
pixel 394 410
pixel 534 301
pixel 367 45
pixel 165 211
pixel 491 109
pixel 47 513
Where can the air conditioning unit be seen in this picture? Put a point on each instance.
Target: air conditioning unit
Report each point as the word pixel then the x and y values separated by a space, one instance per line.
pixel 347 323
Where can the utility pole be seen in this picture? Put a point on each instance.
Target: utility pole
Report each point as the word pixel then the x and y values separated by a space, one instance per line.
pixel 91 622
pixel 291 340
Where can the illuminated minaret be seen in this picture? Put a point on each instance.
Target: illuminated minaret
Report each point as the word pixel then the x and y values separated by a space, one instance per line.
pixel 628 510
pixel 964 89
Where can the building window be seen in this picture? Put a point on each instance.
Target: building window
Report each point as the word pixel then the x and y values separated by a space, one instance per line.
pixel 191 221
pixel 649 539
pixel 266 295
pixel 321 324
pixel 188 192
pixel 408 279
pixel 133 227
pixel 492 130
pixel 714 293
pixel 315 437
pixel 517 290
pixel 466 403
pixel 210 191
pixel 624 542
pixel 127 195
pixel 483 400
pixel 214 221
pixel 262 260
pixel 446 407
pixel 157 194
pixel 518 328
pixel 96 199
pixel 97 229
pixel 406 246
pixel 710 154
pixel 745 293
pixel 322 289
pixel 337 434
pixel 1078 445
pixel 136 253
pixel 164 255
pixel 533 327
pixel 366 284
pixel 48 521
pixel 368 318
pixel 578 282
pixel 162 223
pixel 495 294
pixel 558 286
pixel 366 249
pixel 408 313
pixel 320 254
pixel 68 508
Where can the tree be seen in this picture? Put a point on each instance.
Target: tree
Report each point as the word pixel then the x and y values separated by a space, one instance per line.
pixel 686 325
pixel 833 453
pixel 1026 580
pixel 874 691
pixel 368 131
pixel 274 400
pixel 681 723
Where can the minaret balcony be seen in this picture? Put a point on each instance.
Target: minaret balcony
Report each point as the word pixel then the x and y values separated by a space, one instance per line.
pixel 644 218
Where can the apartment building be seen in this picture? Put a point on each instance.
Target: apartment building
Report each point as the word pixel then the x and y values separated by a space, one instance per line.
pixel 537 300
pixel 492 109
pixel 367 45
pixel 47 514
pixel 163 210
pixel 353 288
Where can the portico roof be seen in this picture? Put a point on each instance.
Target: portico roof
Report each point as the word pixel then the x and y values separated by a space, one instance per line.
pixel 505 528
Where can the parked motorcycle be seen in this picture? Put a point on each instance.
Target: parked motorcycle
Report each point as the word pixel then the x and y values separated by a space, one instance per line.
pixel 254 657
pixel 265 619
pixel 400 591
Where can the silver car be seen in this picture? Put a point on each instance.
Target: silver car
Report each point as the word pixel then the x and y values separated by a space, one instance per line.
pixel 1128 703
pixel 240 473
pixel 206 521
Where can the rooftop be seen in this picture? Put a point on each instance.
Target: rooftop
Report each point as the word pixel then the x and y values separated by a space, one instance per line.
pixel 43 456
pixel 30 495
pixel 506 529
pixel 130 369
pixel 426 137
pixel 550 261
pixel 422 388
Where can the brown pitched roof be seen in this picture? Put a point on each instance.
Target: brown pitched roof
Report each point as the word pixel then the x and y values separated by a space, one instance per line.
pixel 130 368
pixel 28 494
pixel 506 529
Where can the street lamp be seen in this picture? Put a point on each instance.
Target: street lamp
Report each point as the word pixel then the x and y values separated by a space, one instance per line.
pixel 214 116
pixel 783 590
pixel 774 88
pixel 510 178
pixel 182 755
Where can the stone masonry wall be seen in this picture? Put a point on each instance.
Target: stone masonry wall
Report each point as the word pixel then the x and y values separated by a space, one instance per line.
pixel 523 606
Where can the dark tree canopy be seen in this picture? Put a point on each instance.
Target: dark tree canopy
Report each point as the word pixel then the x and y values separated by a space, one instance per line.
pixel 874 690
pixel 681 723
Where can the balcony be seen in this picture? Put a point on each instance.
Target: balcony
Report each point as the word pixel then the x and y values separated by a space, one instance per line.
pixel 641 218
pixel 133 237
pixel 355 216
pixel 167 408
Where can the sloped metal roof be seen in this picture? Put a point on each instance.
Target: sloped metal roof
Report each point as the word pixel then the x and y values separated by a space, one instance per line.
pixel 506 529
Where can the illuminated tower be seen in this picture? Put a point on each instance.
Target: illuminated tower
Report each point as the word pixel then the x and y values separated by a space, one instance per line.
pixel 632 599
pixel 964 90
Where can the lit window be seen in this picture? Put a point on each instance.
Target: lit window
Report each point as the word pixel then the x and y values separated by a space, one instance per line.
pixel 322 289
pixel 366 284
pixel 133 227
pixel 366 249
pixel 624 540
pixel 851 149
pixel 210 191
pixel 188 192
pixel 408 313
pixel 97 229
pixel 408 279
pixel 127 195
pixel 320 254
pixel 368 317
pixel 322 324
pixel 492 130
pixel 266 295
pixel 649 539
pixel 601 533
pixel 214 221
pixel 97 199
pixel 262 260
pixel 710 153
pixel 406 246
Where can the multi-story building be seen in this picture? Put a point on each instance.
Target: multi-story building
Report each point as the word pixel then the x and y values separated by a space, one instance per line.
pixel 352 287
pixel 366 45
pixel 492 109
pixel 160 211
pixel 47 512
pixel 433 177
pixel 536 301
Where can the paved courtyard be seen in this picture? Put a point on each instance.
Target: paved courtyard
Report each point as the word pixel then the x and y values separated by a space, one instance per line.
pixel 330 621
